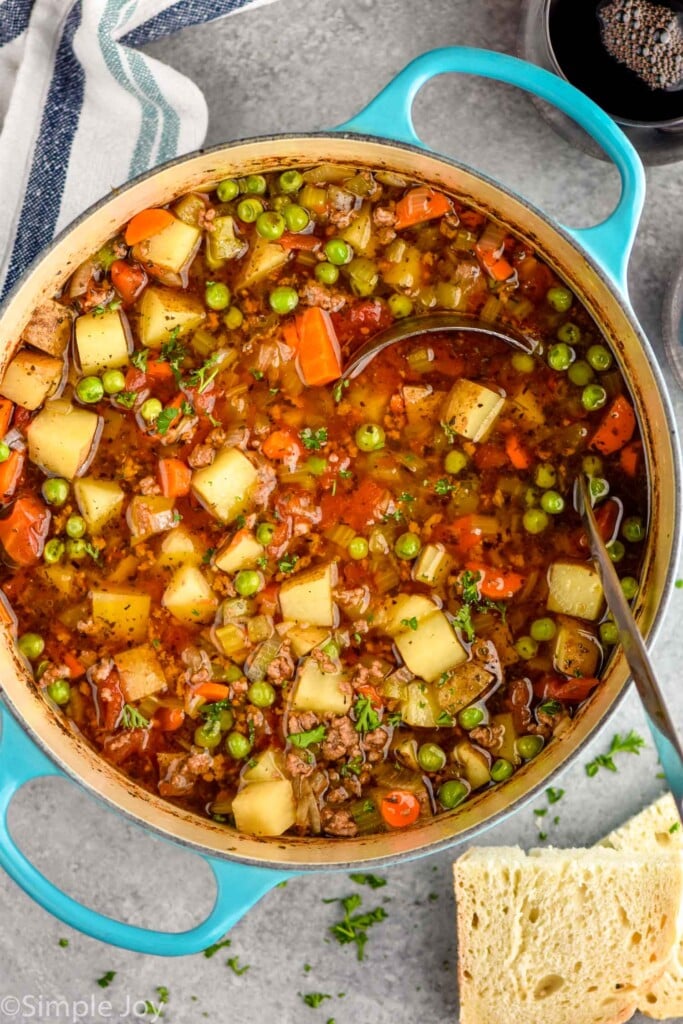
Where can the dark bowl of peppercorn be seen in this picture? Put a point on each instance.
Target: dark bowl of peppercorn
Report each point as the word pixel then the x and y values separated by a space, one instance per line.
pixel 627 55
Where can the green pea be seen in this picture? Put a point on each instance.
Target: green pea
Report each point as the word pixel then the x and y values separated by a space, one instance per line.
pixel 227 190
pixel 249 209
pixel 248 582
pixel 279 203
pixel 59 692
pixel 283 300
pixel 150 409
pixel 326 273
pixel 630 587
pixel 233 319
pixel 5 451
pixel 560 357
pixel 226 719
pixel 552 503
pixel 609 634
pixel 455 462
pixel 290 181
pixel 31 645
pixel 370 437
pixel 535 520
pixel 592 465
pixel 358 548
pixel 452 793
pixel 41 668
pixel 400 306
pixel 217 295
pixel 76 550
pixel 90 390
pixel 529 746
pixel 598 488
pixel 55 490
pixel 338 252
pixel 270 225
pixel 407 546
pixel 501 770
pixel 208 735
pixel 431 757
pixel 522 362
pixel 580 373
pixel 526 647
pixel 542 629
pixel 599 357
pixel 253 184
pixel 264 533
pixel 545 475
pixel 593 397
pixel 54 551
pixel 113 381
pixel 233 673
pixel 296 218
pixel 531 497
pixel 569 333
pixel 237 745
pixel 559 298
pixel 633 529
pixel 616 550
pixel 470 718
pixel 75 527
pixel 262 694
pixel 316 465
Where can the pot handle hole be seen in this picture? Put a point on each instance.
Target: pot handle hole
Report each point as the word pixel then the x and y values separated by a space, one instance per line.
pixel 389 115
pixel 238 886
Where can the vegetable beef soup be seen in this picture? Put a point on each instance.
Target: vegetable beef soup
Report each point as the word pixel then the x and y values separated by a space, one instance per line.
pixel 288 601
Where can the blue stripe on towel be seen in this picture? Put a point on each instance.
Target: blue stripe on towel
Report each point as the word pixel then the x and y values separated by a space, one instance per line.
pixel 14 19
pixel 180 15
pixel 48 173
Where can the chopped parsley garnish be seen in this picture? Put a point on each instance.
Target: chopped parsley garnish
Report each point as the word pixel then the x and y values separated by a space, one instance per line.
pixel 132 719
pixel 396 516
pixel 395 718
pixel 91 550
pixel 448 431
pixel 262 562
pixel 139 359
pixel 165 419
pixel 173 352
pixel 444 719
pixel 468 584
pixel 127 398
pixel 201 377
pixel 106 979
pixel 212 950
pixel 676 827
pixel 257 374
pixel 208 555
pixel 463 620
pixel 410 623
pixel 287 563
pixel 338 389
pixel 186 408
pixel 443 486
pixel 110 307
pixel 352 767
pixel 554 794
pixel 213 711
pixel 550 707
pixel 354 927
pixel 406 497
pixel 372 880
pixel 313 440
pixel 233 963
pixel 306 739
pixel 630 744
pixel 345 474
pixel 314 999
pixel 367 718
pixel 63 943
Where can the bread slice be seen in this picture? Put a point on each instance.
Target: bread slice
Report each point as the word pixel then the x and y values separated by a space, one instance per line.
pixel 562 936
pixel 657 828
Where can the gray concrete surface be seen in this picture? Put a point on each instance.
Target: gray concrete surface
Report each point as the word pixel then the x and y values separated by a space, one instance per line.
pixel 308 64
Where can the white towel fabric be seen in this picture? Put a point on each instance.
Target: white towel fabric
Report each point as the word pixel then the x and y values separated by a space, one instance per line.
pixel 82 110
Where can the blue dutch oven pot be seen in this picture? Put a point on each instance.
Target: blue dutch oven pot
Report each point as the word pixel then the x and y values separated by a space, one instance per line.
pixel 36 741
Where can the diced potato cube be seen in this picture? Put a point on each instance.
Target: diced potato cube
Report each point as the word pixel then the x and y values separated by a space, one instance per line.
pixel 225 486
pixel 422 405
pixel 102 341
pixel 267 809
pixel 433 565
pixel 470 409
pixel 574 588
pixel 63 578
pixel 267 766
pixel 526 409
pixel 99 501
pixel 463 686
pixel 178 548
pixel 475 762
pixel 123 611
pixel 162 311
pixel 124 571
pixel 62 439
pixel 49 328
pixel 308 597
pixel 240 552
pixel 432 648
pixel 140 672
pixel 420 707
pixel 31 378
pixel 507 745
pixel 188 596
pixel 405 273
pixel 576 651
pixel 170 250
pixel 304 638
pixel 401 609
pixel 231 639
pixel 263 259
pixel 149 514
pixel 320 691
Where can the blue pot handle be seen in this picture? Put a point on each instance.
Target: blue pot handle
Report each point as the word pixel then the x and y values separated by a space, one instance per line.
pixel 390 115
pixel 238 886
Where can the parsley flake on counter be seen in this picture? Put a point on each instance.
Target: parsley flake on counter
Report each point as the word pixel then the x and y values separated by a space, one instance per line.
pixel 630 744
pixel 106 979
pixel 366 879
pixel 354 927
pixel 63 943
pixel 212 950
pixel 314 999
pixel 554 794
pixel 233 963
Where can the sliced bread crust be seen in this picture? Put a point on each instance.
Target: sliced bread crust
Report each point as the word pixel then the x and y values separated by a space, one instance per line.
pixel 562 936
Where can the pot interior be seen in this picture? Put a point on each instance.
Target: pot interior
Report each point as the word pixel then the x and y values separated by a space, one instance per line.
pixel 620 329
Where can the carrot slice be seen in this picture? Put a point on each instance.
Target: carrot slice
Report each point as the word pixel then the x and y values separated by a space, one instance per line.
pixel 319 354
pixel 213 691
pixel 159 370
pixel 10 473
pixel 169 719
pixel 400 808
pixel 496 584
pixel 616 428
pixel 73 664
pixel 128 279
pixel 147 223
pixel 291 242
pixel 24 531
pixel 6 410
pixel 175 478
pixel 516 452
pixel 291 335
pixel 419 205
pixel 630 456
pixel 280 445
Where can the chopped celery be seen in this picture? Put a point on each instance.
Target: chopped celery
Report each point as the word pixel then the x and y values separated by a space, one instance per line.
pixel 222 243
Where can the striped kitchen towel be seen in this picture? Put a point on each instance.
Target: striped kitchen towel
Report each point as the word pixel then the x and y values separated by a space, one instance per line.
pixel 82 110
